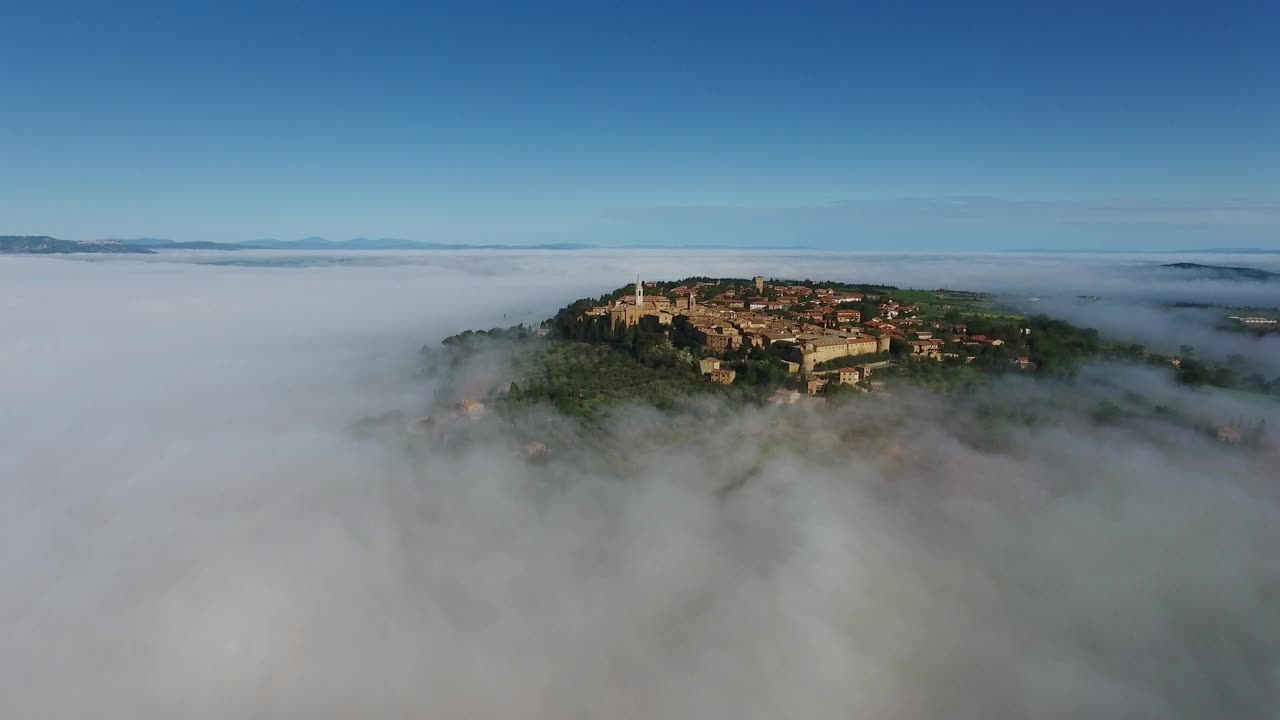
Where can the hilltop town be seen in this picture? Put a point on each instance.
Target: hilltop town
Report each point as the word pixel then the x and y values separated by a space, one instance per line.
pixel 781 341
pixel 736 341
pixel 823 333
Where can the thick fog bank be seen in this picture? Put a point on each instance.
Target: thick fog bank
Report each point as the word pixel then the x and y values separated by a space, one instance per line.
pixel 188 529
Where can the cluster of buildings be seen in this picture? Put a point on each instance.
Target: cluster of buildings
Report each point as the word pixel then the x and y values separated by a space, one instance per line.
pixel 815 324
pixel 1256 321
pixel 810 325
pixel 628 311
pixel 817 383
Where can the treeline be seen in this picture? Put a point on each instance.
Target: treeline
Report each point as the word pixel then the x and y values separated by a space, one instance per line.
pixel 1237 374
pixel 1056 347
pixel 947 376
pixel 1194 372
pixel 518 333
pixel 758 368
pixel 581 381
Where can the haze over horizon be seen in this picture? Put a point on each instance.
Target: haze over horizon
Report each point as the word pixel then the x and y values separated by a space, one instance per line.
pixel 1142 126
pixel 790 429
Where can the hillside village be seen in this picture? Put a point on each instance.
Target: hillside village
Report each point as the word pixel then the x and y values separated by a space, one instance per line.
pixel 826 333
pixel 783 342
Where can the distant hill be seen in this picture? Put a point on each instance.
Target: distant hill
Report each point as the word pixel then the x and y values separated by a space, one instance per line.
pixel 1235 251
pixel 1223 272
pixel 761 248
pixel 141 242
pixel 1138 251
pixel 192 245
pixel 319 243
pixel 45 245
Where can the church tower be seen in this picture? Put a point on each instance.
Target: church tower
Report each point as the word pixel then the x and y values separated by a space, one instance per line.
pixel 639 295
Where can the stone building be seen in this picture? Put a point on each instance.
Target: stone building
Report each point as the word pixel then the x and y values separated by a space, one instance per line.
pixel 724 376
pixel 470 408
pixel 718 338
pixel 854 375
pixel 628 311
pixel 931 349
pixel 813 349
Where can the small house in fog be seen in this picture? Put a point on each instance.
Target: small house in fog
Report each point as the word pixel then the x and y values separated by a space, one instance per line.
pixel 470 408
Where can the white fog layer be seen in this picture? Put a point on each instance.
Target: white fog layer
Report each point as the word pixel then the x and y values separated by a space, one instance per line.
pixel 188 527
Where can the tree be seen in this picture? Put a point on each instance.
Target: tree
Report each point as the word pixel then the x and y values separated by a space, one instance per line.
pixel 1193 372
pixel 1224 378
pixel 899 347
pixel 836 389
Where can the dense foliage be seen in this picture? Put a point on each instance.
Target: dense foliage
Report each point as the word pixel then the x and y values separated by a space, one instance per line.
pixel 581 380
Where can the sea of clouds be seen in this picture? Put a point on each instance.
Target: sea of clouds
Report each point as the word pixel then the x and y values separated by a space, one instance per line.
pixel 188 528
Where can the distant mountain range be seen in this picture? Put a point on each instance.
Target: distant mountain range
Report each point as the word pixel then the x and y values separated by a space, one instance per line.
pixel 1222 272
pixel 48 245
pixel 1195 251
pixel 193 245
pixel 319 243
pixel 45 245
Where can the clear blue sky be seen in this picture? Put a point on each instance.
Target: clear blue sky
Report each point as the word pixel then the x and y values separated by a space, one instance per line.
pixel 845 125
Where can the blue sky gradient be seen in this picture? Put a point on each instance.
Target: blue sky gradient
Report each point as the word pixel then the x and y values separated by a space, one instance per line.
pixel 942 126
